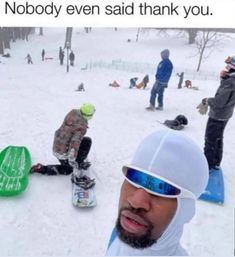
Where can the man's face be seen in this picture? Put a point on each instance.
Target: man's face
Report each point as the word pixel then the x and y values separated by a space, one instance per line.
pixel 143 217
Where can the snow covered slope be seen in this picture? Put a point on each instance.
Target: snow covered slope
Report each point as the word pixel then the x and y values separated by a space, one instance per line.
pixel 34 100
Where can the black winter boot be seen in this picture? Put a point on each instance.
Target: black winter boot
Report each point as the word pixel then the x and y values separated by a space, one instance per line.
pixel 84 165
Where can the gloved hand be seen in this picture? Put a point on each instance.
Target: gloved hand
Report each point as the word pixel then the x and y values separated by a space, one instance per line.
pixel 72 159
pixel 202 108
pixel 204 101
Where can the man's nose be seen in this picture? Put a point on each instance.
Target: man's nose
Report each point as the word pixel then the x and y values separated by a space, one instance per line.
pixel 140 199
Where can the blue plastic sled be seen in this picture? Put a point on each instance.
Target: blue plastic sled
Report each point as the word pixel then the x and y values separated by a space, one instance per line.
pixel 215 188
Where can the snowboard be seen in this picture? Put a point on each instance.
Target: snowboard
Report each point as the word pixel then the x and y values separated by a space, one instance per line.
pixel 214 191
pixel 83 197
pixel 15 163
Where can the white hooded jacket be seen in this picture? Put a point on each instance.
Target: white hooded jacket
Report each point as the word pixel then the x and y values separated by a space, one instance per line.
pixel 177 158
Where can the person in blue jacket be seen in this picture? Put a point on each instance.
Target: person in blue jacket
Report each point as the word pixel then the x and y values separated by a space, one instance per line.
pixel 163 74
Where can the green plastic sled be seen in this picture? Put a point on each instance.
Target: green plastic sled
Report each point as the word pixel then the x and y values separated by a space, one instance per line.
pixel 15 163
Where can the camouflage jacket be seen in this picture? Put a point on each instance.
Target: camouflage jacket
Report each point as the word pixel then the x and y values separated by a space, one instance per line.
pixel 69 135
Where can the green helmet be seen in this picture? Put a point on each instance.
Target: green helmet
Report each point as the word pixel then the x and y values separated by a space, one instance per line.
pixel 87 110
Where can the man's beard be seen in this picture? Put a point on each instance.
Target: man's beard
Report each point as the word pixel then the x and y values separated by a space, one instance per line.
pixel 139 242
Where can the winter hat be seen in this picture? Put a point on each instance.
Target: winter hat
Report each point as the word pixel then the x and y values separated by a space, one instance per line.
pixel 181 119
pixel 175 157
pixel 230 62
pixel 87 110
pixel 165 54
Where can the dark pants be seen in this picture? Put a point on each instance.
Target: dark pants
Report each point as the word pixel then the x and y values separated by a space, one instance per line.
pixel 157 89
pixel 213 148
pixel 64 168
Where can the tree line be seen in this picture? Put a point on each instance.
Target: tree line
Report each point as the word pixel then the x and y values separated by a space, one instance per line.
pixel 205 40
pixel 9 35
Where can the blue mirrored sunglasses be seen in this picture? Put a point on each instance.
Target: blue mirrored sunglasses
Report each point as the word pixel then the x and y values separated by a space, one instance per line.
pixel 155 185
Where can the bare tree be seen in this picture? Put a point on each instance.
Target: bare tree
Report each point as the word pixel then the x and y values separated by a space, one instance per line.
pixel 192 34
pixel 7 37
pixel 206 41
pixel 26 31
pixel 1 41
pixel 141 31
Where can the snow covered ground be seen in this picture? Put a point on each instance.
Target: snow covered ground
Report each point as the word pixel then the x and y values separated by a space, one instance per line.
pixel 34 100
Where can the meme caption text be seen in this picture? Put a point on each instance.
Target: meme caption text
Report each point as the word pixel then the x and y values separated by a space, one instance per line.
pixel 55 10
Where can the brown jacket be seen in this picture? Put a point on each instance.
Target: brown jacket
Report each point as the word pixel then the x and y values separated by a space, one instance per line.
pixel 70 134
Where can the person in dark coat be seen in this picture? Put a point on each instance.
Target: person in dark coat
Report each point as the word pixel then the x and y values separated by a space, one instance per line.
pixel 80 87
pixel 163 74
pixel 43 54
pixel 221 110
pixel 29 59
pixel 145 81
pixel 72 58
pixel 61 56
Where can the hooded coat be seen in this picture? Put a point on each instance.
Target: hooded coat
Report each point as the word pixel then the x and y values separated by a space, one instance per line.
pixel 164 68
pixel 222 104
pixel 162 153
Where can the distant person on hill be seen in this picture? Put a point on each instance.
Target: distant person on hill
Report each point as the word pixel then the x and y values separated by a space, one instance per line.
pixel 114 84
pixel 87 29
pixel 158 196
pixel 133 82
pixel 81 87
pixel 163 74
pixel 29 59
pixel 143 83
pixel 43 54
pixel 221 110
pixel 181 76
pixel 61 56
pixel 188 83
pixel 70 145
pixel 72 58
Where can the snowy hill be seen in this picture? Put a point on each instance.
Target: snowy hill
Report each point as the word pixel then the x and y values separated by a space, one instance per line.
pixel 34 100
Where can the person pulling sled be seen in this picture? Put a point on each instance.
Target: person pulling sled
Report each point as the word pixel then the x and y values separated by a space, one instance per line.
pixel 71 147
